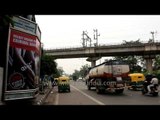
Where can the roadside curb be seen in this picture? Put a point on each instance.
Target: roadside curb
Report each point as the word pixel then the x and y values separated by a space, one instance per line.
pixel 43 98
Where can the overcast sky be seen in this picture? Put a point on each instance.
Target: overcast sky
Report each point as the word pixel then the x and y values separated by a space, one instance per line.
pixel 61 31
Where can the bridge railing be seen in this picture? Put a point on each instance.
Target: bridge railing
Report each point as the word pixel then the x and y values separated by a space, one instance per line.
pixel 111 45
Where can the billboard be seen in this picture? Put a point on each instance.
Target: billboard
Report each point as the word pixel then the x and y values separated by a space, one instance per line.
pixel 23 61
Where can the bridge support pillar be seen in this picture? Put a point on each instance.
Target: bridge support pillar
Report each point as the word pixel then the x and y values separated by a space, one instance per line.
pixel 149 62
pixel 93 60
pixel 93 63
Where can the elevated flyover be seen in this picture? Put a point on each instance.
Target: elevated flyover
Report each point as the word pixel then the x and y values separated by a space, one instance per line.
pixel 147 50
pixel 112 50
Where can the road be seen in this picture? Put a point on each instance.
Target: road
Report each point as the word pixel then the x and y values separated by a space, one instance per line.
pixel 79 95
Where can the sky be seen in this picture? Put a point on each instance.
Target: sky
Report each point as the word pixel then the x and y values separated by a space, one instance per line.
pixel 65 31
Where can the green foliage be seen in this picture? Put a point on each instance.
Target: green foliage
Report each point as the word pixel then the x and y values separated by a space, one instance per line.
pixel 80 73
pixel 158 75
pixel 75 75
pixel 48 65
pixel 5 20
pixel 83 70
pixel 133 61
pixel 132 42
pixel 60 72
pixel 157 62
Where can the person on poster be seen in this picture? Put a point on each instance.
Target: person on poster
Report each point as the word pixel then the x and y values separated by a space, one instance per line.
pixel 23 61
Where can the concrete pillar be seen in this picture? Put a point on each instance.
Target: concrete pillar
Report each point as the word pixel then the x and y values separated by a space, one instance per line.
pixel 149 65
pixel 93 60
pixel 93 63
pixel 149 62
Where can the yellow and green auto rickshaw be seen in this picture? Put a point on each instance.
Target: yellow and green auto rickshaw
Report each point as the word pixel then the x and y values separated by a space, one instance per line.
pixel 63 84
pixel 136 81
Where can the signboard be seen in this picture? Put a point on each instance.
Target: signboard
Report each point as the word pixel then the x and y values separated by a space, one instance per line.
pixel 24 61
pixel 25 25
pixel 23 40
pixel 38 33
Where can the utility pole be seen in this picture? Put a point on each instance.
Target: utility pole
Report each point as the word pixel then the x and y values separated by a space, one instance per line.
pixel 96 36
pixel 85 40
pixel 152 36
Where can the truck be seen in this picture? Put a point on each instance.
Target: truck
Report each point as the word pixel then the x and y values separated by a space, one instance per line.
pixel 109 76
pixel 20 68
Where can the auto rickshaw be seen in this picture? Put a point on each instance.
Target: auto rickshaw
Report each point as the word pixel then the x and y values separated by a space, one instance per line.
pixel 63 84
pixel 136 81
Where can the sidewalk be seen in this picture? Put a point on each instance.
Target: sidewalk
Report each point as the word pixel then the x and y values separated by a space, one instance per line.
pixel 42 96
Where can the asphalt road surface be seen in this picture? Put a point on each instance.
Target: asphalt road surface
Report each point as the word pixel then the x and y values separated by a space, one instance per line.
pixel 80 95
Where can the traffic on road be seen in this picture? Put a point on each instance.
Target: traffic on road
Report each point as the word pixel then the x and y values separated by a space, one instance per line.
pixel 80 95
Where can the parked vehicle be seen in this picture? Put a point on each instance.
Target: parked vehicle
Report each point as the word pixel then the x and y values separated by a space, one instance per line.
pixel 63 84
pixel 136 81
pixel 108 76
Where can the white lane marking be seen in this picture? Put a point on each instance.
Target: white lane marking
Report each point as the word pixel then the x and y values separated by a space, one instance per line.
pixel 57 99
pixel 95 100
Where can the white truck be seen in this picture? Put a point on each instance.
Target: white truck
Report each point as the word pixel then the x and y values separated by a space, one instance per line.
pixel 108 76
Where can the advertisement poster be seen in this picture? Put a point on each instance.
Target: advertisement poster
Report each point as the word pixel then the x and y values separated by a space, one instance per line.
pixel 23 61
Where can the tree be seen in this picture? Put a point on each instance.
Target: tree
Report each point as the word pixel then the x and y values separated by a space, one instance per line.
pixel 75 75
pixel 48 65
pixel 5 20
pixel 83 70
pixel 156 63
pixel 60 71
pixel 80 73
pixel 132 42
pixel 135 62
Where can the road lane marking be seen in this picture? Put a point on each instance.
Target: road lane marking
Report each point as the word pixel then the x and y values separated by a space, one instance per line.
pixel 57 99
pixel 95 100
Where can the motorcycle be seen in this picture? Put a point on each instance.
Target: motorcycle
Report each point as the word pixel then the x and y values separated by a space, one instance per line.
pixel 154 89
